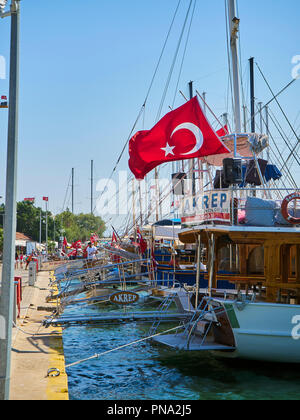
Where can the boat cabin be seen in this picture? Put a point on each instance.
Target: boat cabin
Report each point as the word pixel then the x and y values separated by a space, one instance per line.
pixel 264 262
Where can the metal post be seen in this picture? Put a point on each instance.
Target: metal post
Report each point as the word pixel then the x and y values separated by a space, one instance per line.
pixel 47 227
pixel 245 118
pixel 40 237
pixel 234 30
pixel 260 104
pixel 267 131
pixel 252 95
pixel 198 271
pixel 7 286
pixel 211 263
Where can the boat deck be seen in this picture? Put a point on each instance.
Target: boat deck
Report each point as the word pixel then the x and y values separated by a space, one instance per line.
pixel 117 317
pixel 179 342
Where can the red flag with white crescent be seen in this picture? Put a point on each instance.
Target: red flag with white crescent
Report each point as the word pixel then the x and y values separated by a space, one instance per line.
pixel 184 133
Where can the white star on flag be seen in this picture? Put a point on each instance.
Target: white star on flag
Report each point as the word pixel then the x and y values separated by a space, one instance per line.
pixel 168 149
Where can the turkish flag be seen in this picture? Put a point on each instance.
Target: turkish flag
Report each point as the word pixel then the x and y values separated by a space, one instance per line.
pixel 184 133
pixel 113 239
pixel 223 131
pixel 65 243
pixel 45 198
pixel 76 245
pixel 141 241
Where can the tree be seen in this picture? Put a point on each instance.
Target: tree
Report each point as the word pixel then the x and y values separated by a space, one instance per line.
pixel 76 227
pixel 81 226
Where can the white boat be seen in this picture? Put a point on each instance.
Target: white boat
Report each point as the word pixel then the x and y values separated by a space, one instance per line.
pixel 255 232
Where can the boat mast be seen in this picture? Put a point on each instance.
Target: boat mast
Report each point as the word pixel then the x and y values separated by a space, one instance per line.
pixel 192 161
pixel 73 190
pixel 234 29
pixel 92 187
pixel 252 94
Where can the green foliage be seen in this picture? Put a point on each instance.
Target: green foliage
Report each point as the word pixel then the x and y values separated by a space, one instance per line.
pixel 74 227
pixel 80 226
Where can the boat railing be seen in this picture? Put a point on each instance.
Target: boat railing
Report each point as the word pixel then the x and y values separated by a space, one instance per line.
pixel 251 206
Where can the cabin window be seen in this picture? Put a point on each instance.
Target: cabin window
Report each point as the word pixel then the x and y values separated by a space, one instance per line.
pixel 228 257
pixel 293 267
pixel 290 261
pixel 256 261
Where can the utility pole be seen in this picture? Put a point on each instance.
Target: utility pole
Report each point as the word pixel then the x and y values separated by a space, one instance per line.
pixel 7 285
pixel 92 187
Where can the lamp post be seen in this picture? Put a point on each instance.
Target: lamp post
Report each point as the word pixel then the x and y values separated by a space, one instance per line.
pixel 7 285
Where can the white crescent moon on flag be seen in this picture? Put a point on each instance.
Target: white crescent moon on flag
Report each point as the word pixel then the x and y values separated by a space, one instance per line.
pixel 197 133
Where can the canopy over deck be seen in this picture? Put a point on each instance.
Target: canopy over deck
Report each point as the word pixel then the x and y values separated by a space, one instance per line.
pixel 241 234
pixel 245 144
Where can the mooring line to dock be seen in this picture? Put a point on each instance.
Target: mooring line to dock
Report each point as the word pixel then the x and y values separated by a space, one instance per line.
pixel 96 356
pixel 33 334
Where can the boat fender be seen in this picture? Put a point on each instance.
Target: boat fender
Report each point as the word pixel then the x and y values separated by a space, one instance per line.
pixel 284 208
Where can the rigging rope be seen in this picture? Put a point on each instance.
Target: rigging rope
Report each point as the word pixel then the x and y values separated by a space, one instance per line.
pixel 145 101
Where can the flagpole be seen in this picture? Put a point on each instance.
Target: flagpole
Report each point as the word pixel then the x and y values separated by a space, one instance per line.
pixel 40 237
pixel 47 228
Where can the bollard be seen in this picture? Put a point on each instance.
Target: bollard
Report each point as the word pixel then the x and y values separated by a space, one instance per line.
pixel 40 262
pixel 32 273
pixel 18 297
pixel 15 304
pixel 19 280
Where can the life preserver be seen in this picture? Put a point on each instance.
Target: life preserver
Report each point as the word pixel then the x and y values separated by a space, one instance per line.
pixel 284 208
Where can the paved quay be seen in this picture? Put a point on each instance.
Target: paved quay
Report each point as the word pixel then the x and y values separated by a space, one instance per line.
pixel 36 349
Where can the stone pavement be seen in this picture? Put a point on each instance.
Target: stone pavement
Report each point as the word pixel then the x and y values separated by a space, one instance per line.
pixel 36 349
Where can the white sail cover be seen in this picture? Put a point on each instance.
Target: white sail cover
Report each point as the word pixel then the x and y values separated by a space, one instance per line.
pixel 246 145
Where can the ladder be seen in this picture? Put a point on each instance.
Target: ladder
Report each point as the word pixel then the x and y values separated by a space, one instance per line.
pixel 197 317
pixel 163 307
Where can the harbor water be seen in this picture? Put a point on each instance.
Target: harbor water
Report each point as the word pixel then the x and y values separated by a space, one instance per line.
pixel 146 371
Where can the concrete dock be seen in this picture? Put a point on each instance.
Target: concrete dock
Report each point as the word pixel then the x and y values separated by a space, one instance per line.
pixel 36 349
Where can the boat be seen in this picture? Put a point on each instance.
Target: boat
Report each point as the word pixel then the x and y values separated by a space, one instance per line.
pixel 256 228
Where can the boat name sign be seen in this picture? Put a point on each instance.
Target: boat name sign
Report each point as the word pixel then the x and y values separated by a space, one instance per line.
pixel 124 298
pixel 211 206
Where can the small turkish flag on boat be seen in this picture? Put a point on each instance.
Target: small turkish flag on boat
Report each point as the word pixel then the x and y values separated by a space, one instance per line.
pixel 223 131
pixel 184 133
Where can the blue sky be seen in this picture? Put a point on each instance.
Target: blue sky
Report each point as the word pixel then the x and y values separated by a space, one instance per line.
pixel 86 68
